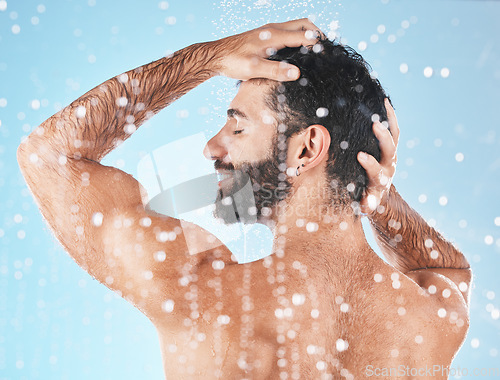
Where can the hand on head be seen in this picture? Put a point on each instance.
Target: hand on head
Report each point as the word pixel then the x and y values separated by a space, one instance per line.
pixel 243 56
pixel 380 174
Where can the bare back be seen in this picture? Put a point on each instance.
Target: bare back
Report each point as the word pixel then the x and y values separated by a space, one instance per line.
pixel 295 316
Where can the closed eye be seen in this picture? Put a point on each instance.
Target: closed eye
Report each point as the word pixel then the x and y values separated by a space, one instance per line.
pixel 238 132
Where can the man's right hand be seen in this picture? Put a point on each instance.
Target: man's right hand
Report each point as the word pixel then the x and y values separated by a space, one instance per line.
pixel 243 56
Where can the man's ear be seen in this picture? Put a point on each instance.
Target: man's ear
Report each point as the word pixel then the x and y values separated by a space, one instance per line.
pixel 311 147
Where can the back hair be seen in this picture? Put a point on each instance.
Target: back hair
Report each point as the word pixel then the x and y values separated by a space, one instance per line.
pixel 336 90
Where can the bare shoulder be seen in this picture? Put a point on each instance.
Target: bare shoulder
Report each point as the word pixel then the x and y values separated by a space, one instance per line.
pixel 451 286
pixel 97 213
pixel 447 295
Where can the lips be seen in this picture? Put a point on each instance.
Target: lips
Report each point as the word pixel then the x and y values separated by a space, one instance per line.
pixel 225 177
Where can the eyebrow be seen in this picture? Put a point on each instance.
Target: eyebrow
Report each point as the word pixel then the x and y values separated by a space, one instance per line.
pixel 232 112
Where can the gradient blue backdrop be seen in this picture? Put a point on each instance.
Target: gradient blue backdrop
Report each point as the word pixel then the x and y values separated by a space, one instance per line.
pixel 56 322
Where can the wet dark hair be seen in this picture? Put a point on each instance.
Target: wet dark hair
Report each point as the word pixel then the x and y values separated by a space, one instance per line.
pixel 335 89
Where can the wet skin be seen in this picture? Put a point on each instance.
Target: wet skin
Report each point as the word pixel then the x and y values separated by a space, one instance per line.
pixel 323 305
pixel 310 309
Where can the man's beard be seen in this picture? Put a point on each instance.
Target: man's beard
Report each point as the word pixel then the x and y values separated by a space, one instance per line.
pixel 254 190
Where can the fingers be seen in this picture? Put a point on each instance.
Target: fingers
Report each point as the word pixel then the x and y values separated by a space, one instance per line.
pixel 291 38
pixel 371 165
pixel 386 143
pixel 300 24
pixel 278 71
pixel 375 172
pixel 393 121
pixel 243 56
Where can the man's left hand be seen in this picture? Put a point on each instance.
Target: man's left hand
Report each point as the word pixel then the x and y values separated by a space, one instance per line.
pixel 380 174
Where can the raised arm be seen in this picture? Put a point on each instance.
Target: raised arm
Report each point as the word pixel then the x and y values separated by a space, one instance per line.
pixel 405 238
pixel 95 211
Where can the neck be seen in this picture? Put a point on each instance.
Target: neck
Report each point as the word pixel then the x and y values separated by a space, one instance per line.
pixel 329 231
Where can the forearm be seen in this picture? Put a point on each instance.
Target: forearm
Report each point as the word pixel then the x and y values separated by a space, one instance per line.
pixel 97 122
pixel 408 242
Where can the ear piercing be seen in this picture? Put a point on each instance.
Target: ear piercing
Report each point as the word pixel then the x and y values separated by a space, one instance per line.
pixel 297 171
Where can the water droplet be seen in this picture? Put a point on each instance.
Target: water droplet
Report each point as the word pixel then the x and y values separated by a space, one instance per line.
pixel 341 345
pixel 311 349
pixel 298 299
pixel 121 101
pixel 441 313
pixel 443 200
pixel 321 365
pixel 35 104
pixel 97 219
pixel 488 240
pixel 459 157
pixel 445 72
pixel 428 71
pixel 322 112
pixel 265 35
pixel 223 319
pixel 167 306
pixel 312 227
pixel 160 256
pixel 474 343
pixel 80 111
pixel 171 20
pixel 218 264
pixel 419 339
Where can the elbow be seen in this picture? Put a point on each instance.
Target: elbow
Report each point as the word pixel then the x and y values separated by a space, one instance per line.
pixel 22 155
pixel 27 157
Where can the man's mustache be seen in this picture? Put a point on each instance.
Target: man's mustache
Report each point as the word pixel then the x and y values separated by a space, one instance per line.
pixel 220 165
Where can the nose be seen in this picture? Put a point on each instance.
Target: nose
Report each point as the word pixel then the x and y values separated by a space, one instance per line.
pixel 215 149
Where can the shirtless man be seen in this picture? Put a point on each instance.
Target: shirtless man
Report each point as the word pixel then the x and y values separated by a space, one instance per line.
pixel 323 305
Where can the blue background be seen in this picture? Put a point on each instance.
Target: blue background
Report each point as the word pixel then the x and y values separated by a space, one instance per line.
pixel 56 322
